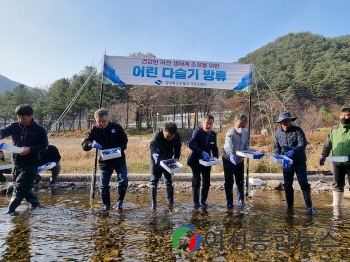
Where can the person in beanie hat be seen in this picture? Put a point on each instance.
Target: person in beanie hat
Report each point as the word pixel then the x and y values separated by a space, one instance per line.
pixel 290 141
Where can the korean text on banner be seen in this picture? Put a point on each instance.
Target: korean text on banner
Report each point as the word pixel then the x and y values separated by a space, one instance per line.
pixel 179 73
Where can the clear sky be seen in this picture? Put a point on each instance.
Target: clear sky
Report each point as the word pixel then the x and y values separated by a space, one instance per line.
pixel 44 40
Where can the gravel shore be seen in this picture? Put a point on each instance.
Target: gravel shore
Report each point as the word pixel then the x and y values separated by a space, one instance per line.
pixel 320 184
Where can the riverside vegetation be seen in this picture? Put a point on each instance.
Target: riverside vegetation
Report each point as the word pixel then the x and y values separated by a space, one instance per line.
pixel 76 161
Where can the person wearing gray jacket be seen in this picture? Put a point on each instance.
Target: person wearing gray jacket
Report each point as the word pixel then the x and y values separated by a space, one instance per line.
pixel 236 139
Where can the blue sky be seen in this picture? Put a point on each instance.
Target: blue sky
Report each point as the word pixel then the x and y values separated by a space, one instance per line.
pixel 43 41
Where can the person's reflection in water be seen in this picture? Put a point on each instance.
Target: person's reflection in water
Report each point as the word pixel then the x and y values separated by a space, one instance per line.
pixel 18 240
pixel 337 216
pixel 108 238
pixel 233 221
pixel 158 242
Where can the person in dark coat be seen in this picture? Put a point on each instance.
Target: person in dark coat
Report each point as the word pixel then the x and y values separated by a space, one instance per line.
pixel 105 135
pixel 203 144
pixel 165 144
pixel 290 141
pixel 32 138
pixel 50 154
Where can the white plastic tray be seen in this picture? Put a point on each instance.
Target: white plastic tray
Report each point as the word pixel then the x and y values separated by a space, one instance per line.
pixel 255 181
pixel 278 160
pixel 337 159
pixel 110 153
pixel 246 153
pixel 213 161
pixel 6 166
pixel 179 167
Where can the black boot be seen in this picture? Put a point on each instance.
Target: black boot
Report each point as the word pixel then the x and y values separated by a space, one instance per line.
pixel 154 197
pixel 229 197
pixel 121 191
pixel 204 196
pixel 289 197
pixel 170 195
pixel 32 199
pixel 308 202
pixel 240 195
pixel 15 201
pixel 106 199
pixel 195 194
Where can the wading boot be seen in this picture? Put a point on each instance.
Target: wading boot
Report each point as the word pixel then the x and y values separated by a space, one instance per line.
pixel 121 191
pixel 170 195
pixel 154 197
pixel 240 195
pixel 308 202
pixel 289 198
pixel 106 199
pixel 32 199
pixel 337 198
pixel 204 196
pixel 195 194
pixel 229 197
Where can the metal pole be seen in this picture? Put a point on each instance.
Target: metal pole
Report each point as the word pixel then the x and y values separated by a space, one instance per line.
pixel 247 166
pixel 93 177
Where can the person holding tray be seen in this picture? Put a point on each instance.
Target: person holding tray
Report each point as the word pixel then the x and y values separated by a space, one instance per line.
pixel 290 141
pixel 236 139
pixel 105 135
pixel 338 142
pixel 165 144
pixel 203 143
pixel 31 138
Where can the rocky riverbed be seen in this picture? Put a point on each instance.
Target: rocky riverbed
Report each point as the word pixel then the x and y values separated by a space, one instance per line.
pixel 319 185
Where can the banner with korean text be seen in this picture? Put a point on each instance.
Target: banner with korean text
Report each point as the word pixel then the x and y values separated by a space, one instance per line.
pixel 178 73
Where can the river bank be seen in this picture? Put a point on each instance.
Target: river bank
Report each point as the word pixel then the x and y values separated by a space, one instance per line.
pixel 138 182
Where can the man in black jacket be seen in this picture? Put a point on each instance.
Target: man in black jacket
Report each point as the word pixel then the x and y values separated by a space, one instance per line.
pixel 203 143
pixel 105 135
pixel 50 154
pixel 165 144
pixel 290 141
pixel 32 138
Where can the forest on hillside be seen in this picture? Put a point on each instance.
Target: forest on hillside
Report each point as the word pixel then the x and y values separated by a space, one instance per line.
pixel 304 73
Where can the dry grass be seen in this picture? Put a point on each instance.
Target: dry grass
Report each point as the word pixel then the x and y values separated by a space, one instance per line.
pixel 75 160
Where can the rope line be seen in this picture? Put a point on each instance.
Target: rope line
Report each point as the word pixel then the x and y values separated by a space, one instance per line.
pixel 73 100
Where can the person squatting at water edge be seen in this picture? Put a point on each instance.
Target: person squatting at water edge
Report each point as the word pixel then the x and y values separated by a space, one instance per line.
pixel 165 144
pixel 290 141
pixel 338 142
pixel 105 135
pixel 203 143
pixel 32 138
pixel 236 139
pixel 49 155
pixel 4 161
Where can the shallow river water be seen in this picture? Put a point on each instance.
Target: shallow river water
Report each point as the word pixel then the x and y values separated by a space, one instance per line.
pixel 70 228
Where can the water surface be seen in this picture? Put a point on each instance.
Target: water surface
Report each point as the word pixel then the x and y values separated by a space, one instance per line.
pixel 70 228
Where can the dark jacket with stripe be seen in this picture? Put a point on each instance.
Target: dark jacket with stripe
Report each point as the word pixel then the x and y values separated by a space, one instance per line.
pixel 202 141
pixel 111 136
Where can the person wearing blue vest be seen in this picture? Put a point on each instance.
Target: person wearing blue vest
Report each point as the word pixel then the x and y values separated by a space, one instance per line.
pixel 203 144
